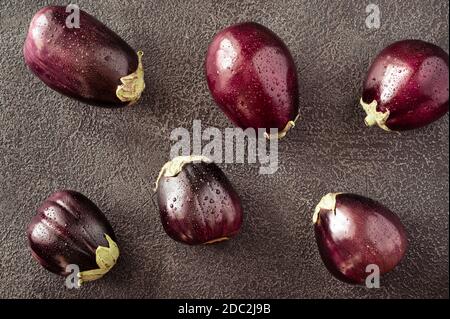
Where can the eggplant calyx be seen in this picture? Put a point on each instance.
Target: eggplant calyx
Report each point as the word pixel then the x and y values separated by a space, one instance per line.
pixel 283 132
pixel 173 168
pixel 373 116
pixel 106 258
pixel 133 84
pixel 217 240
pixel 328 202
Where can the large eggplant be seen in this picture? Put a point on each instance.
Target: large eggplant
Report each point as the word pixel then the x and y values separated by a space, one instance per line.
pixel 252 77
pixel 355 232
pixel 406 86
pixel 197 203
pixel 69 229
pixel 90 63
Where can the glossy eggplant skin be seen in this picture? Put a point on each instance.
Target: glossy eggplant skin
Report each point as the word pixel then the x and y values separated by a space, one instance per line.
pixel 252 77
pixel 199 205
pixel 67 229
pixel 409 79
pixel 358 232
pixel 85 63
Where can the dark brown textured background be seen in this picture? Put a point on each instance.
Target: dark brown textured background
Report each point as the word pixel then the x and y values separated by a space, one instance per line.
pixel 48 142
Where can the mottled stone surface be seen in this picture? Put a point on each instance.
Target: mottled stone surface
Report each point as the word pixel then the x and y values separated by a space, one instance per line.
pixel 48 142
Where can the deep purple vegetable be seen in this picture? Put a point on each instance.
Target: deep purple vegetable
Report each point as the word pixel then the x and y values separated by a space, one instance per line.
pixel 406 86
pixel 197 203
pixel 252 77
pixel 90 63
pixel 70 229
pixel 353 232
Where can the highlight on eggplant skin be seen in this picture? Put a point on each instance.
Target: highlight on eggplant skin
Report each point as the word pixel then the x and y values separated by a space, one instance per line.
pixel 90 63
pixel 406 86
pixel 197 203
pixel 353 232
pixel 69 229
pixel 252 77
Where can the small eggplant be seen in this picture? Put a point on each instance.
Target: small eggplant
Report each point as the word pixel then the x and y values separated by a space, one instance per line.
pixel 406 86
pixel 353 232
pixel 90 63
pixel 252 77
pixel 197 203
pixel 70 229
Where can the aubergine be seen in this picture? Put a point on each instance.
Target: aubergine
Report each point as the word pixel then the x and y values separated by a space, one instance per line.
pixel 69 229
pixel 197 203
pixel 406 86
pixel 252 77
pixel 90 63
pixel 354 232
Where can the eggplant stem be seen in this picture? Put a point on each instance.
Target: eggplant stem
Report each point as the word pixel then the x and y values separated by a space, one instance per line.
pixel 217 240
pixel 133 84
pixel 106 258
pixel 174 167
pixel 328 202
pixel 283 132
pixel 373 116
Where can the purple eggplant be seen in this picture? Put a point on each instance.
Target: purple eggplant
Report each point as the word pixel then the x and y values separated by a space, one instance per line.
pixel 406 86
pixel 69 229
pixel 90 63
pixel 252 77
pixel 197 203
pixel 354 232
